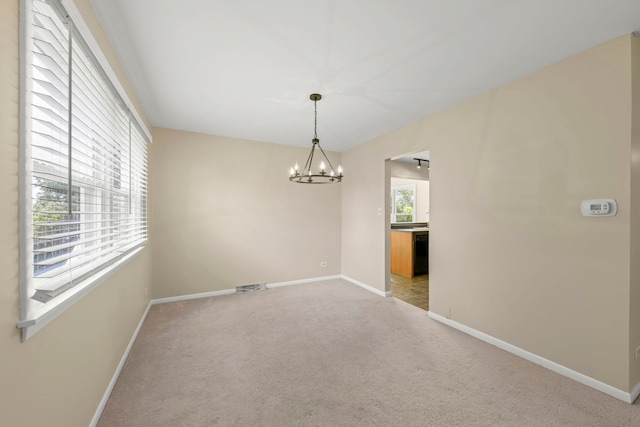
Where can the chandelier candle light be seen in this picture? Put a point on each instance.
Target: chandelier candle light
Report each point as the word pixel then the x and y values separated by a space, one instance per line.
pixel 324 175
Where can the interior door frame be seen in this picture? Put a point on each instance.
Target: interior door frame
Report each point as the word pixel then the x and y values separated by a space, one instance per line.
pixel 387 213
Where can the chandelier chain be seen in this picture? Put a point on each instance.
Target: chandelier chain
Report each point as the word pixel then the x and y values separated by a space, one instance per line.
pixel 315 119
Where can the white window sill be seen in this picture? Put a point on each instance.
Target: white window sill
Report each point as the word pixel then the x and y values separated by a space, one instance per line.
pixel 65 301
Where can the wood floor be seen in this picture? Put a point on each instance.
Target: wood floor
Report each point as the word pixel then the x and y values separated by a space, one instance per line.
pixel 413 290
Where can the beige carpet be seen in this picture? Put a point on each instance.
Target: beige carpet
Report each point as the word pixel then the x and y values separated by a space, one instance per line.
pixel 333 354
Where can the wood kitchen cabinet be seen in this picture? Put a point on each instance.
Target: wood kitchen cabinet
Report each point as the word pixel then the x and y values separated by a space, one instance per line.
pixel 407 247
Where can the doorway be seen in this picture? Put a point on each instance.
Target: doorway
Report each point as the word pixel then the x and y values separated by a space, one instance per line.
pixel 408 242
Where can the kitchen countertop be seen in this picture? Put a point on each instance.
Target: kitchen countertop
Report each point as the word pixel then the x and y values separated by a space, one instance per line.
pixel 412 230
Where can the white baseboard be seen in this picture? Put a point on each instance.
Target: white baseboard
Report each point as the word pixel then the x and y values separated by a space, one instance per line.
pixel 635 393
pixel 553 366
pixel 367 287
pixel 271 286
pixel 116 374
pixel 299 282
pixel 192 296
pixel 233 291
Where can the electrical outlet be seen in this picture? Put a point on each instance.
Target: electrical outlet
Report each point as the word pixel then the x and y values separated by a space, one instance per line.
pixel 323 263
pixel 146 290
pixel 638 353
pixel 448 312
pixel 379 211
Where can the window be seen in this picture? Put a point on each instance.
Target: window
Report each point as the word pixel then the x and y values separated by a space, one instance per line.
pixel 84 164
pixel 403 203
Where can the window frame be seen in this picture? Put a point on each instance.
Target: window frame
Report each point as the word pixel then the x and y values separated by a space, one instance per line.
pixel 394 214
pixel 33 319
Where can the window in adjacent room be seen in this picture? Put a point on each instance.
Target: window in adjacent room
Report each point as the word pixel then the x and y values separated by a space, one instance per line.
pixel 403 203
pixel 84 176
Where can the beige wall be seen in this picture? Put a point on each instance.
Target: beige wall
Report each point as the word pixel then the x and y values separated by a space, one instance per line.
pixel 58 376
pixel 225 214
pixel 634 335
pixel 510 254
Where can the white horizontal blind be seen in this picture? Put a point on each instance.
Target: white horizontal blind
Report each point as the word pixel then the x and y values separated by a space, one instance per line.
pixel 88 161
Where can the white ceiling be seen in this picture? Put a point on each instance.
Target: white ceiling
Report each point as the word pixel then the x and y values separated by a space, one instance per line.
pixel 245 68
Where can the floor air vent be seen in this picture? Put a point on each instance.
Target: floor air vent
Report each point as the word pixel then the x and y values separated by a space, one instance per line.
pixel 252 288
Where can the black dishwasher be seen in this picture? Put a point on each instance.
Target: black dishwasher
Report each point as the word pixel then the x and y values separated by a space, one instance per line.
pixel 421 254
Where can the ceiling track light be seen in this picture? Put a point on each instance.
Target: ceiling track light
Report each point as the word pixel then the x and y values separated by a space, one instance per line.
pixel 323 174
pixel 420 162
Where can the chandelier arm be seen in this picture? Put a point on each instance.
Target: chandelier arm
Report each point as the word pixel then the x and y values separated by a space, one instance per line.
pixel 308 164
pixel 326 158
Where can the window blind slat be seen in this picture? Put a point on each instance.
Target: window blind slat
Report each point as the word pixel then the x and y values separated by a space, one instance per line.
pixel 115 232
pixel 140 219
pixel 45 236
pixel 50 279
pixel 111 243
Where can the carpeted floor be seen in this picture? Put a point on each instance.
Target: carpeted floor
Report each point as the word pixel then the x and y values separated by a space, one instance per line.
pixel 333 354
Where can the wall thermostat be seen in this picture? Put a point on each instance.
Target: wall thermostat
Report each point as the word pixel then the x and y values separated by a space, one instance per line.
pixel 599 207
